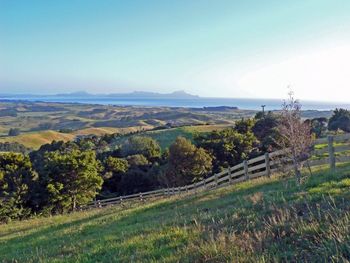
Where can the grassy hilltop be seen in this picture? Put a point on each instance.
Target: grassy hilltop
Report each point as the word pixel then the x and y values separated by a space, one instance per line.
pixel 262 220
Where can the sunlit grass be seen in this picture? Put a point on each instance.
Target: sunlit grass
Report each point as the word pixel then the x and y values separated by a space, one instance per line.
pixel 263 220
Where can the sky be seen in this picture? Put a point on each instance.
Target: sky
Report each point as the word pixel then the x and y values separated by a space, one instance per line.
pixel 211 48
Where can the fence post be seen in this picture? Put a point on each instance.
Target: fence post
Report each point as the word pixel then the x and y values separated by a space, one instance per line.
pixel 267 163
pixel 331 153
pixel 246 173
pixel 141 199
pixel 216 180
pixel 229 175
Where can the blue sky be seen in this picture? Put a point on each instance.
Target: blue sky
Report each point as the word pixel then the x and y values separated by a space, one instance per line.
pixel 218 48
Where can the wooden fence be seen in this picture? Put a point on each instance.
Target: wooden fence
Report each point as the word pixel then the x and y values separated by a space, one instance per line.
pixel 333 149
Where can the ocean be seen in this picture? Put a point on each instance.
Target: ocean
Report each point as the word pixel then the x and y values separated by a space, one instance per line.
pixel 248 104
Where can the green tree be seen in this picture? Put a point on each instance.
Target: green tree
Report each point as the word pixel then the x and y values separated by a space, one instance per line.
pixel 318 126
pixel 340 120
pixel 266 131
pixel 244 126
pixel 114 169
pixel 137 160
pixel 115 166
pixel 141 145
pixel 16 180
pixel 187 162
pixel 228 147
pixel 39 199
pixel 72 179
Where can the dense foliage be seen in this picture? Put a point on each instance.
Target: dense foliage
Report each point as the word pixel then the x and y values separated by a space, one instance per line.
pixel 13 147
pixel 71 179
pixel 187 162
pixel 230 146
pixel 340 120
pixel 318 126
pixel 14 132
pixel 141 145
pixel 16 180
pixel 266 131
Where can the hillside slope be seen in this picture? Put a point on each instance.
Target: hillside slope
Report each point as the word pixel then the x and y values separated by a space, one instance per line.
pixel 36 139
pixel 165 137
pixel 260 220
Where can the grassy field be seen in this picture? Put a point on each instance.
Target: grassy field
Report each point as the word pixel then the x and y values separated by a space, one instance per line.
pixel 43 116
pixel 166 137
pixel 36 139
pixel 264 220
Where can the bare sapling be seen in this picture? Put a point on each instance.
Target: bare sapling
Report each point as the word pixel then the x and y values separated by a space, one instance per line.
pixel 295 134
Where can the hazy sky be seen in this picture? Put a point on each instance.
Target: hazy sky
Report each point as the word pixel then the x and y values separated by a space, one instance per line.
pixel 218 48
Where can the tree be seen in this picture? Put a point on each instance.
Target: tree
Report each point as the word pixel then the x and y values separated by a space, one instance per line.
pixel 244 126
pixel 340 120
pixel 266 131
pixel 13 147
pixel 227 147
pixel 318 126
pixel 16 179
pixel 72 179
pixel 136 181
pixel 114 166
pixel 14 132
pixel 114 169
pixel 137 160
pixel 141 145
pixel 295 134
pixel 187 162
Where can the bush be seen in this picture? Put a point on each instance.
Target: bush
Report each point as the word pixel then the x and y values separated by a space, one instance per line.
pixel 340 120
pixel 14 132
pixel 141 145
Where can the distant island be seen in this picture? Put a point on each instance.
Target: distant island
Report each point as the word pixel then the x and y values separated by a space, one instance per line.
pixel 131 95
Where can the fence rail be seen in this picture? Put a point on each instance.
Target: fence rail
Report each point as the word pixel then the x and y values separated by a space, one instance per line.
pixel 260 166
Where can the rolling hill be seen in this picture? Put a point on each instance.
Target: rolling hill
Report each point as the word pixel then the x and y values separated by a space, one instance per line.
pixel 263 220
pixel 165 137
pixel 36 139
